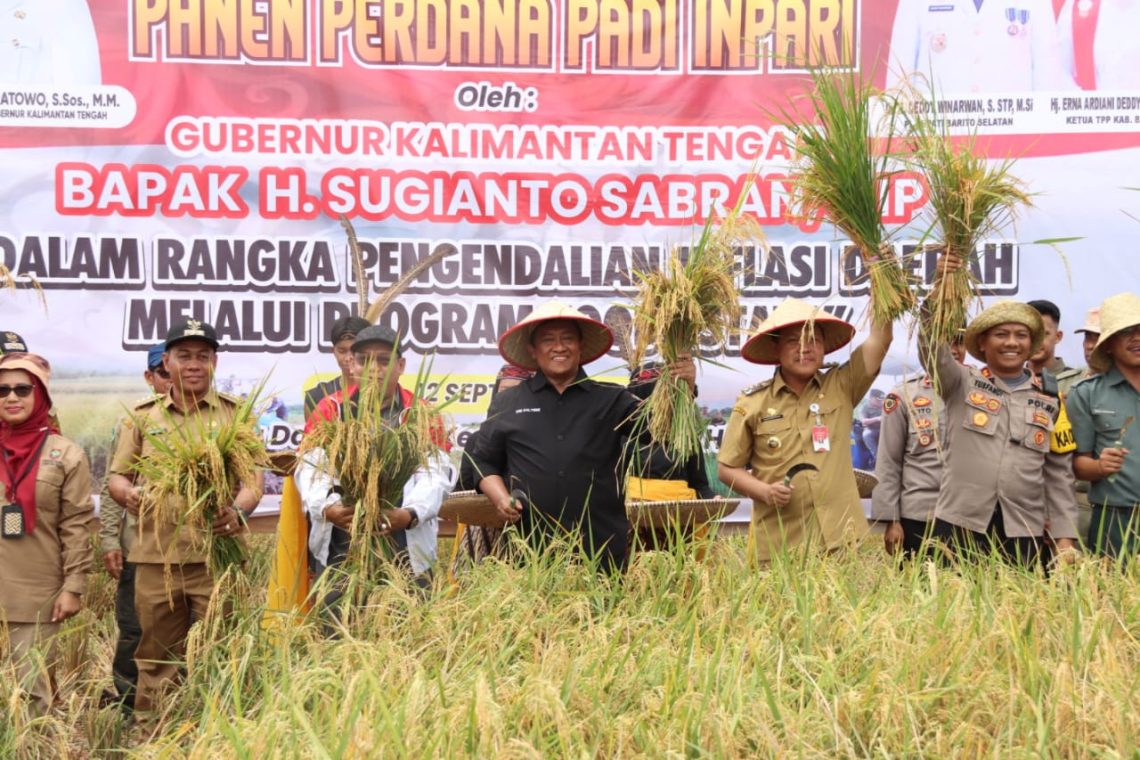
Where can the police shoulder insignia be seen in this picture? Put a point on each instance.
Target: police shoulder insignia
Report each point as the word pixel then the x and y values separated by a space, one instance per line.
pixel 230 398
pixel 891 403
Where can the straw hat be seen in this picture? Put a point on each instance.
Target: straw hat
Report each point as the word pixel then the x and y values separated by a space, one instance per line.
pixel 1117 313
pixel 596 337
pixel 1003 313
pixel 761 347
pixel 1092 322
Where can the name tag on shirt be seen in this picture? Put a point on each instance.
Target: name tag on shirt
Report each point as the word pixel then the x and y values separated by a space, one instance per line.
pixel 820 439
pixel 939 8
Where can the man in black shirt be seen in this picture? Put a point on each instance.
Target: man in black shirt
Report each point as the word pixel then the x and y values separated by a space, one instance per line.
pixel 343 333
pixel 559 435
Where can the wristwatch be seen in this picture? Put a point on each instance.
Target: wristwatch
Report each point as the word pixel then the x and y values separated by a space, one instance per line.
pixel 415 517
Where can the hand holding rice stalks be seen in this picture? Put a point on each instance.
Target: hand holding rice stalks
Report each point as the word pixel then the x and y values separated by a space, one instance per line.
pixel 675 309
pixel 839 176
pixel 372 450
pixel 196 470
pixel 971 199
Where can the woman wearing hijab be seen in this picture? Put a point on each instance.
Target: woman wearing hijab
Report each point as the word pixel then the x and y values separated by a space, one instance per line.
pixel 45 546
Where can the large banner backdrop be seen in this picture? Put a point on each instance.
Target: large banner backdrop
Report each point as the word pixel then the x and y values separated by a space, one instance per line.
pixel 165 159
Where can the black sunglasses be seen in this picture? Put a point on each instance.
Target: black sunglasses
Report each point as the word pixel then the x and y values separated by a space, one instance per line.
pixel 22 391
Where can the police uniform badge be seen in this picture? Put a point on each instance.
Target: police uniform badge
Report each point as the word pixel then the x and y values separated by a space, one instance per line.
pixel 980 419
pixel 922 402
pixel 891 403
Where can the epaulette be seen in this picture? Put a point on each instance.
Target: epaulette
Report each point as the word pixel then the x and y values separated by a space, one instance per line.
pixel 755 387
pixel 146 401
pixel 1084 380
pixel 231 398
pixel 1068 372
pixel 1049 384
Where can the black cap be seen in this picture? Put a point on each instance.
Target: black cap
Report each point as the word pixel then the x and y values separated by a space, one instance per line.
pixel 347 326
pixel 377 334
pixel 192 329
pixel 12 344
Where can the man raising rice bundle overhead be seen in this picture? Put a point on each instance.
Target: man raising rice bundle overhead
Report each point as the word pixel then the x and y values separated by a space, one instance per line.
pixel 559 435
pixel 787 442
pixel 1103 411
pixel 1002 485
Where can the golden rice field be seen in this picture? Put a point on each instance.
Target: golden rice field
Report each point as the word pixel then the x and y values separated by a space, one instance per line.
pixel 837 656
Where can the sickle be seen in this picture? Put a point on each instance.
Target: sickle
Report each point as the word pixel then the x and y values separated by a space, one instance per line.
pixel 796 469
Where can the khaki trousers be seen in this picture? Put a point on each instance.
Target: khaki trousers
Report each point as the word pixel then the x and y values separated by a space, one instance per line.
pixel 33 654
pixel 164 621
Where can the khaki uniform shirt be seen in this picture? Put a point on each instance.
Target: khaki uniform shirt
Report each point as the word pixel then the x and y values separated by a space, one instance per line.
pixel 770 431
pixel 908 463
pixel 998 453
pixel 166 542
pixel 57 555
pixel 118 528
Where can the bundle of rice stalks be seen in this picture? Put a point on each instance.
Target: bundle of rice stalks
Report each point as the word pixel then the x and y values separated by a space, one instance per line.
pixel 839 174
pixel 373 449
pixel 970 199
pixel 195 471
pixel 677 307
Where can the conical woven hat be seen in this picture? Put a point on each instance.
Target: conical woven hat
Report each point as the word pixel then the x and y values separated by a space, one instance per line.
pixel 596 337
pixel 1117 313
pixel 1004 313
pixel 761 348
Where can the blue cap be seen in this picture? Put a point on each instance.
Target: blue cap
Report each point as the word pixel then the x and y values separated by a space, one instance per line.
pixel 154 356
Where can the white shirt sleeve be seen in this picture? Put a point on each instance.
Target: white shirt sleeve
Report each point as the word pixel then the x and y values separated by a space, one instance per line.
pixel 424 492
pixel 316 488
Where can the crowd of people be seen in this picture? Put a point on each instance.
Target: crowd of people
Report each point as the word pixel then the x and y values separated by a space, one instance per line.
pixel 972 459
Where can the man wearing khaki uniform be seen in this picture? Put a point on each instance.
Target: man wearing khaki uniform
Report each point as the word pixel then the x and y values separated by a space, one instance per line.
pixel 1001 483
pixel 802 415
pixel 166 613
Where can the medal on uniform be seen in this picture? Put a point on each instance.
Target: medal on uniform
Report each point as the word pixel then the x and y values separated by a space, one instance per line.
pixel 925 439
pixel 820 437
pixel 1023 17
pixel 1011 16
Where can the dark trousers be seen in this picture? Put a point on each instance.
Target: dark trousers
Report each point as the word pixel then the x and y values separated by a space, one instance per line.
pixel 914 533
pixel 1113 531
pixel 1021 551
pixel 124 669
pixel 331 603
